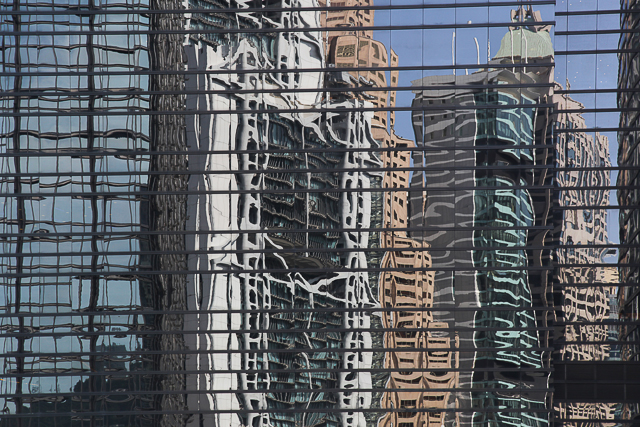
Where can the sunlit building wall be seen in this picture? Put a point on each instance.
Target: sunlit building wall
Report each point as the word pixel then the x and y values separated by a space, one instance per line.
pixel 356 48
pixel 397 289
pixel 629 155
pixel 423 363
pixel 253 204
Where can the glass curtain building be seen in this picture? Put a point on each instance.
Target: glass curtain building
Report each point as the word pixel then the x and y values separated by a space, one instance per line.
pixel 315 213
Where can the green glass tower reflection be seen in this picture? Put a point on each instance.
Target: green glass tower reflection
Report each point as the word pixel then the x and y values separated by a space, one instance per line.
pixel 479 137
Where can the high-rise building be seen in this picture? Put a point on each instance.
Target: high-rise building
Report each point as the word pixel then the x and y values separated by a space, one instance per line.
pixel 82 299
pixel 406 280
pixel 586 298
pixel 212 214
pixel 628 196
pixel 628 157
pixel 579 150
pixel 283 188
pixel 477 180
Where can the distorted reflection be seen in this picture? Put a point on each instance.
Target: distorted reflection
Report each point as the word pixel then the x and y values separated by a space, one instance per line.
pixel 311 213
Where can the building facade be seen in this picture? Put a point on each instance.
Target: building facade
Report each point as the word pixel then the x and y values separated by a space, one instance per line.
pixel 79 261
pixel 587 298
pixel 485 290
pixel 209 217
pixel 628 160
pixel 280 263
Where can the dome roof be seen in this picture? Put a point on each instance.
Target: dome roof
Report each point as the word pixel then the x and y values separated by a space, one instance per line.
pixel 537 43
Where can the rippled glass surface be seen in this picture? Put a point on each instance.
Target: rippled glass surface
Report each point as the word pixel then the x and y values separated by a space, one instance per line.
pixel 319 213
pixel 73 222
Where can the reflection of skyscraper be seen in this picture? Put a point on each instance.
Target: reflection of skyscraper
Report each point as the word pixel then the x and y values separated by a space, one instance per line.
pixel 357 49
pixel 271 165
pixel 412 369
pixel 481 195
pixel 585 308
pixel 629 160
pixel 406 284
pixel 78 284
pixel 582 227
pixel 397 289
pixel 193 216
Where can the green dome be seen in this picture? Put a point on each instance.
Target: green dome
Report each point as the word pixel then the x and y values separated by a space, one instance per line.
pixel 537 43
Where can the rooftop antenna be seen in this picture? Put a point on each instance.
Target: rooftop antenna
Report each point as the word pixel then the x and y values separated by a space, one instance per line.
pixel 477 49
pixel 526 49
pixel 511 34
pixel 453 54
pixel 466 70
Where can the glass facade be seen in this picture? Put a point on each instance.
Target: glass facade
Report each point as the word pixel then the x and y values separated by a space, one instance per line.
pixel 628 296
pixel 73 262
pixel 301 213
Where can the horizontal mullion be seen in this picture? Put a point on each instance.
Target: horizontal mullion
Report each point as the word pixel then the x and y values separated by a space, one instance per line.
pixel 187 72
pixel 142 233
pixel 135 271
pixel 146 311
pixel 127 373
pixel 258 30
pixel 124 373
pixel 140 273
pixel 328 109
pixel 263 191
pixel 428 247
pixel 74 94
pixel 591 12
pixel 198 313
pixel 36 271
pixel 340 350
pixel 265 391
pixel 298 190
pixel 380 150
pixel 9 177
pixel 332 409
pixel 133 333
pixel 596 32
pixel 125 9
pixel 266 311
pixel 326 150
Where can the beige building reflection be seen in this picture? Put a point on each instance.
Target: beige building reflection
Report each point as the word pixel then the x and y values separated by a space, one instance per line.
pixel 413 371
pixel 405 286
pixel 586 308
